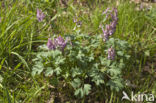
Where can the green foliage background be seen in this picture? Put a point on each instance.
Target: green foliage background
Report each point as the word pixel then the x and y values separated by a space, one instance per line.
pixel 21 35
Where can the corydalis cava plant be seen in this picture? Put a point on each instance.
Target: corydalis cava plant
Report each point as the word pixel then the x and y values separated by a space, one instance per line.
pixel 110 28
pixel 58 42
pixel 40 15
pixel 80 63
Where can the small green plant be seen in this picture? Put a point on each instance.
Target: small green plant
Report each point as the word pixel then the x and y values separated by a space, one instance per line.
pixel 84 62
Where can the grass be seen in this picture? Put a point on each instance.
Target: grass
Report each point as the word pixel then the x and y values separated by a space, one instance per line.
pixel 21 34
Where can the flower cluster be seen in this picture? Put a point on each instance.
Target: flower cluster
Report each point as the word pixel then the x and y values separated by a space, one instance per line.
pixel 40 15
pixel 110 28
pixel 50 44
pixel 58 42
pixel 111 53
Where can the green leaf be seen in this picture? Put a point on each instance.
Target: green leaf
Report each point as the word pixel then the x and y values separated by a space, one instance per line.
pixel 37 68
pixel 103 60
pixel 49 71
pixel 46 0
pixel 147 53
pixel 80 55
pixel 87 88
pixel 8 95
pixel 103 69
pixel 127 56
pixel 81 92
pixel 58 70
pixel 120 53
pixel 77 92
pixel 114 71
pixel 91 58
pixel 43 47
pixel 59 60
pixel 2 63
pixel 56 53
pixel 1 79
pixel 54 81
pixel 115 84
pixel 96 65
pixel 76 71
pixel 108 62
pixel 22 59
pixel 76 83
pixel 97 76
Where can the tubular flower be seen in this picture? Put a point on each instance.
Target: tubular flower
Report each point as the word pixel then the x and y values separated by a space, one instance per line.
pixel 59 43
pixel 110 28
pixel 50 44
pixel 40 15
pixel 106 12
pixel 105 35
pixel 111 53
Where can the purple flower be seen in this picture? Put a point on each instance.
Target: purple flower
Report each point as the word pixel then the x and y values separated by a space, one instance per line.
pixel 110 28
pixel 106 11
pixel 114 15
pixel 105 35
pixel 40 15
pixel 111 53
pixel 59 43
pixel 75 20
pixel 51 45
